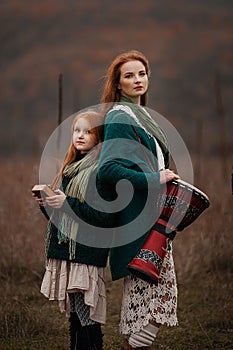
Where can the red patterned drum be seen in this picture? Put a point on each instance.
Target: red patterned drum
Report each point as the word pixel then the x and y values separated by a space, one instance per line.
pixel 179 205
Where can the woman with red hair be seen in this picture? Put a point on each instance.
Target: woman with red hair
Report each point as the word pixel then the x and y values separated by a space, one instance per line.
pixel 130 133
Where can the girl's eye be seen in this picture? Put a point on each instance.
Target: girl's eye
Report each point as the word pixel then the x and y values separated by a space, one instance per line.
pixel 84 131
pixel 142 74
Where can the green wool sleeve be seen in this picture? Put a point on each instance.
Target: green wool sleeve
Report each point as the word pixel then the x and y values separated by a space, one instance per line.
pixel 122 156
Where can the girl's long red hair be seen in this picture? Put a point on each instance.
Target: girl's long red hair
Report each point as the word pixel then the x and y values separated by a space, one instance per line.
pixel 111 93
pixel 96 121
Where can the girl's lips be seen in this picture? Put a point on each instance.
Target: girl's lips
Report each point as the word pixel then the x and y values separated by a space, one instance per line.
pixel 138 88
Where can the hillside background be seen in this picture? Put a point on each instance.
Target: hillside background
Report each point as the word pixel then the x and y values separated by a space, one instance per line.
pixel 188 44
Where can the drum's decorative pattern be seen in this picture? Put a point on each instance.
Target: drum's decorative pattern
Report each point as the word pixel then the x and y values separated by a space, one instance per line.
pixel 148 255
pixel 149 260
pixel 166 202
pixel 181 203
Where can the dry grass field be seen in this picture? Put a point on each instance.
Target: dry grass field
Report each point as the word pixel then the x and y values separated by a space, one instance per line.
pixel 203 256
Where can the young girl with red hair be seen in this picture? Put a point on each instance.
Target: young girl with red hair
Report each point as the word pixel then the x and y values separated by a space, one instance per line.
pixel 75 269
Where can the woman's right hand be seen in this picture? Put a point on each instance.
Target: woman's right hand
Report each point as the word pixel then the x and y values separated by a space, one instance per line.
pixel 167 175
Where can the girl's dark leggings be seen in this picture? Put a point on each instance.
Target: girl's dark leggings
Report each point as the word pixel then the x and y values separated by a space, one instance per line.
pixel 84 337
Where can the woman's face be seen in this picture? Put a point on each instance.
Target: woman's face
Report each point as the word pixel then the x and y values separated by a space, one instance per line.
pixel 133 81
pixel 84 137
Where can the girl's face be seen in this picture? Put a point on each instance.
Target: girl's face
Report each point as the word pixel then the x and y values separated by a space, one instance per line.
pixel 133 81
pixel 84 137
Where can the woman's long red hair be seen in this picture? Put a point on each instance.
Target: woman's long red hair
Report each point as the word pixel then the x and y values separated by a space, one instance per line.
pixel 111 92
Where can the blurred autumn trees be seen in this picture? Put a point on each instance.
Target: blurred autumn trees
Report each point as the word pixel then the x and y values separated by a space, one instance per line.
pixel 185 43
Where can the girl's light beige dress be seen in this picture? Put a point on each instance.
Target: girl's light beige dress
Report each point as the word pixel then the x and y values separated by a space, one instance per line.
pixel 62 277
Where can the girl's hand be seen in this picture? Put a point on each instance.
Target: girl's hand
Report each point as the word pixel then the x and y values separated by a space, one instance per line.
pixel 57 200
pixel 167 175
pixel 40 200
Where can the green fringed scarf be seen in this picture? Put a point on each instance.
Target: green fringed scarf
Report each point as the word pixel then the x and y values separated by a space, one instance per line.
pixel 79 173
pixel 148 123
